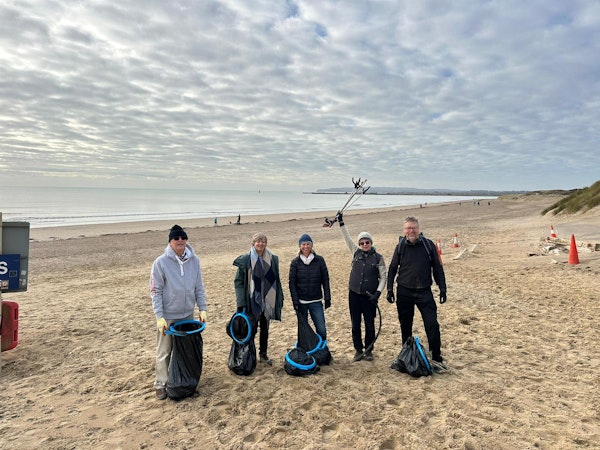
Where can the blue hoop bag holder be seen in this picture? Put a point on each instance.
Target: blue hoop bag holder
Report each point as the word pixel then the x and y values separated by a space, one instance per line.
pixel 312 342
pixel 185 366
pixel 236 331
pixel 299 363
pixel 241 328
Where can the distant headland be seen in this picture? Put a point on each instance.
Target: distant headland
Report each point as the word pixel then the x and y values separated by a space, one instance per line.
pixel 416 191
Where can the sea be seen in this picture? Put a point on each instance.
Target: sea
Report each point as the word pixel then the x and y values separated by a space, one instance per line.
pixel 63 206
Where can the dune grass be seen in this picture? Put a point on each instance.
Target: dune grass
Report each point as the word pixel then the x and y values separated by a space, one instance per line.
pixel 578 200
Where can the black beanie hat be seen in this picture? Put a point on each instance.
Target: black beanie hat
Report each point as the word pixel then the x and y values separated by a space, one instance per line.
pixel 177 231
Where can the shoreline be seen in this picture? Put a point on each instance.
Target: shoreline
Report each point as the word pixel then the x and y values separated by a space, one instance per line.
pixel 102 229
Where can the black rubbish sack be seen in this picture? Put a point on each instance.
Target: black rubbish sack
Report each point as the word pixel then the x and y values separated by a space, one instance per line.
pixel 412 359
pixel 299 363
pixel 185 366
pixel 242 358
pixel 322 354
pixel 312 343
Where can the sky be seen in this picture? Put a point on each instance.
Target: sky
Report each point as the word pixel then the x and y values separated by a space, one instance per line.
pixel 300 95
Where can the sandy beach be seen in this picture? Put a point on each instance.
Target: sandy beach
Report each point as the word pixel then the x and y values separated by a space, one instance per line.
pixel 519 333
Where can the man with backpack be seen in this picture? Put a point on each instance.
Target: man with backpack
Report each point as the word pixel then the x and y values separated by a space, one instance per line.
pixel 414 261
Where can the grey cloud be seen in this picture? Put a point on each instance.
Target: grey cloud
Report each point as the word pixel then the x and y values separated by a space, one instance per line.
pixel 467 95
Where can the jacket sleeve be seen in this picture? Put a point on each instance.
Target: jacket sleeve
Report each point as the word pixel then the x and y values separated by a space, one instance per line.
pixel 393 270
pixel 292 282
pixel 325 281
pixel 156 289
pixel 200 292
pixel 349 242
pixel 241 287
pixel 279 297
pixel 382 275
pixel 438 271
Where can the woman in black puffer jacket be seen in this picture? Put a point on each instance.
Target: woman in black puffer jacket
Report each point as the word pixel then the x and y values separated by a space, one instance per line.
pixel 309 284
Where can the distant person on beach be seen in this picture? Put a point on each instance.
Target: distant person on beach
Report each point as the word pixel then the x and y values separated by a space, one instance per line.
pixel 367 280
pixel 176 287
pixel 216 221
pixel 415 259
pixel 239 220
pixel 258 288
pixel 309 284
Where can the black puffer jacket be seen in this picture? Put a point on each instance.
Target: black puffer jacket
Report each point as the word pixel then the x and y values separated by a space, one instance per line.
pixel 309 282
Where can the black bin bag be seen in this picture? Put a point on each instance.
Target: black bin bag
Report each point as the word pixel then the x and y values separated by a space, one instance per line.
pixel 242 358
pixel 412 359
pixel 241 328
pixel 312 343
pixel 185 367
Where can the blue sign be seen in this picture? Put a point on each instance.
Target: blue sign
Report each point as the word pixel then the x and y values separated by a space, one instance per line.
pixel 10 266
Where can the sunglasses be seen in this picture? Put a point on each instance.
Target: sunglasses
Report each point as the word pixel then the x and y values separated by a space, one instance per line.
pixel 179 238
pixel 364 242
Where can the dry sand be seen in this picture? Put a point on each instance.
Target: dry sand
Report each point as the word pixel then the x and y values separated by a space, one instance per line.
pixel 519 333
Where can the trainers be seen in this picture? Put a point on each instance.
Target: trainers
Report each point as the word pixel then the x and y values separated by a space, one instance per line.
pixel 368 356
pixel 265 359
pixel 161 393
pixel 357 356
pixel 439 366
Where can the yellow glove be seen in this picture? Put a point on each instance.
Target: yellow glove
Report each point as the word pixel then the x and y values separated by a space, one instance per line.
pixel 202 316
pixel 161 324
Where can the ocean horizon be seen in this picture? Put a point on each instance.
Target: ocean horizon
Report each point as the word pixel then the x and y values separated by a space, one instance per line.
pixel 63 206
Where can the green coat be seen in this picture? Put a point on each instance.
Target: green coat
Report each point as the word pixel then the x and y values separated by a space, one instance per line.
pixel 242 284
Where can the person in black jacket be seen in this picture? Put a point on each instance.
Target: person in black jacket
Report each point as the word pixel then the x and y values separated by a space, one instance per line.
pixel 367 280
pixel 415 259
pixel 309 284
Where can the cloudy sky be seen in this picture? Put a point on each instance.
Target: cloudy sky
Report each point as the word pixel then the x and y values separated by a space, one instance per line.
pixel 300 94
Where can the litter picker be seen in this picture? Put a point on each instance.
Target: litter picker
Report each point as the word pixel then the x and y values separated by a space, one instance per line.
pixel 359 190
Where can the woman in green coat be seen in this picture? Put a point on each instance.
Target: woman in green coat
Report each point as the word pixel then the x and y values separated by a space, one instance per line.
pixel 258 288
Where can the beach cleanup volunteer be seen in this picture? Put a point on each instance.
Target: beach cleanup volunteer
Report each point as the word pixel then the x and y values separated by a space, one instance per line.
pixel 309 284
pixel 258 289
pixel 367 280
pixel 176 288
pixel 415 259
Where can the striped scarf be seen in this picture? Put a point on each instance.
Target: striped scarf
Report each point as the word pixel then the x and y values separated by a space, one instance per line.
pixel 263 283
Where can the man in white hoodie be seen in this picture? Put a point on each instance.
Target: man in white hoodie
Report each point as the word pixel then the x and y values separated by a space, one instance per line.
pixel 176 287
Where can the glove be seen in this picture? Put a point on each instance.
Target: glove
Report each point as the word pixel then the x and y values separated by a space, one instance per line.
pixel 161 324
pixel 374 298
pixel 390 296
pixel 442 296
pixel 327 303
pixel 296 305
pixel 339 217
pixel 202 316
pixel 240 309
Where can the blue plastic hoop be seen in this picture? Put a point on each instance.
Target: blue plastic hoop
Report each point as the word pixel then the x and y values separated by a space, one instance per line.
pixel 320 346
pixel 423 357
pixel 249 335
pixel 173 332
pixel 300 366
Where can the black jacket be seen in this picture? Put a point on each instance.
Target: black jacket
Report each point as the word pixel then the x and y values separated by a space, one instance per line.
pixel 309 282
pixel 413 264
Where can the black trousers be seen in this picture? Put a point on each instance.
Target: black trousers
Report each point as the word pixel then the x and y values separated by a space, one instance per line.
pixel 263 338
pixel 361 306
pixel 406 300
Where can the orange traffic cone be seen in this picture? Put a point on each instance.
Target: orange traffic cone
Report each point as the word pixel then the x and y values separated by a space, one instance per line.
pixel 455 244
pixel 573 255
pixel 552 232
pixel 438 247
